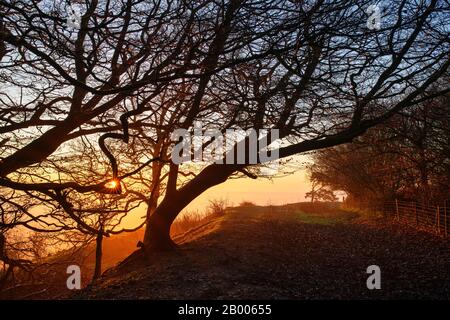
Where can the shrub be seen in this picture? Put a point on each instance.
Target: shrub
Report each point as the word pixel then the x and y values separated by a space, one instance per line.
pixel 247 204
pixel 217 207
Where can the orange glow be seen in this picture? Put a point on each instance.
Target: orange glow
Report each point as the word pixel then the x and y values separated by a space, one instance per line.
pixel 279 191
pixel 112 184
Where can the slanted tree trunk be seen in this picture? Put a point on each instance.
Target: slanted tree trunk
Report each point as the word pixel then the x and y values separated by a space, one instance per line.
pixel 157 232
pixel 98 256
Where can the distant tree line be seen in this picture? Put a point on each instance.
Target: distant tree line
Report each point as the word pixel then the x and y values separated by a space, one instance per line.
pixel 407 158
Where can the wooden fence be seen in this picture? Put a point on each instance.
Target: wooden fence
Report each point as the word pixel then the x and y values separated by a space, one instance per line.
pixel 434 218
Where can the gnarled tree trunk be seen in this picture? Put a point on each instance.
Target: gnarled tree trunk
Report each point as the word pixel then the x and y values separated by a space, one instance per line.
pixel 157 232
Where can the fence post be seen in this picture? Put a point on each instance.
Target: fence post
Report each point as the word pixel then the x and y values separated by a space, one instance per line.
pixel 396 209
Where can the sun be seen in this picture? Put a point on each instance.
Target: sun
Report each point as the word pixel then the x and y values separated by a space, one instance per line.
pixel 112 184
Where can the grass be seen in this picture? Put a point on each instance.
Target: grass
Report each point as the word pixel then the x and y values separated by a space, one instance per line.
pixel 195 225
pixel 295 251
pixel 324 219
pixel 304 212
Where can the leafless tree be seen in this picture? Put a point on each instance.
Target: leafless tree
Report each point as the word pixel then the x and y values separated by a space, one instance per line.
pixel 312 69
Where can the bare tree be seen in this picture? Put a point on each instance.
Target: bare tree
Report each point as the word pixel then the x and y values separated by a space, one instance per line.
pixel 330 87
pixel 320 191
pixel 311 69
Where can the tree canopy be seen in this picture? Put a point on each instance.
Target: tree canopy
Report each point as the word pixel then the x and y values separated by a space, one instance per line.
pixel 134 70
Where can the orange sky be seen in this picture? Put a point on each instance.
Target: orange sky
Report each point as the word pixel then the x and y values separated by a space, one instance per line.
pixel 261 191
pixel 288 189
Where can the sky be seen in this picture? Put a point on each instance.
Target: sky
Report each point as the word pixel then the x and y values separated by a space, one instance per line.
pixel 278 191
pixel 261 191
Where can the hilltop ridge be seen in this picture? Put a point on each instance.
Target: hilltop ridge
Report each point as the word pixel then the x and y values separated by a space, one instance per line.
pixel 270 253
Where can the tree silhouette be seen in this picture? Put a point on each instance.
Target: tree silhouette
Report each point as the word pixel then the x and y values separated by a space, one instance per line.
pixel 311 69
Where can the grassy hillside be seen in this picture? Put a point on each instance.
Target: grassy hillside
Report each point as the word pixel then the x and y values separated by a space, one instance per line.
pixel 295 251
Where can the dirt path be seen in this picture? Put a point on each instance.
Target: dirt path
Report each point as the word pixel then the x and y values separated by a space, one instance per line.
pixel 260 255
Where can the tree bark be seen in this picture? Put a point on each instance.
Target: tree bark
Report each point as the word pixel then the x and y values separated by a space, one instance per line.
pixel 98 256
pixel 157 232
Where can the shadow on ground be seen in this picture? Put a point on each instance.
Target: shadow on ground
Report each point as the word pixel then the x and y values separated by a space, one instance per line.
pixel 261 254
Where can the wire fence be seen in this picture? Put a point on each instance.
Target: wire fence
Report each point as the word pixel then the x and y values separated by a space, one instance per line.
pixel 431 217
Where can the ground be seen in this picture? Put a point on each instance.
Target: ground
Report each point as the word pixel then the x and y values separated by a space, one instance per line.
pixel 287 253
